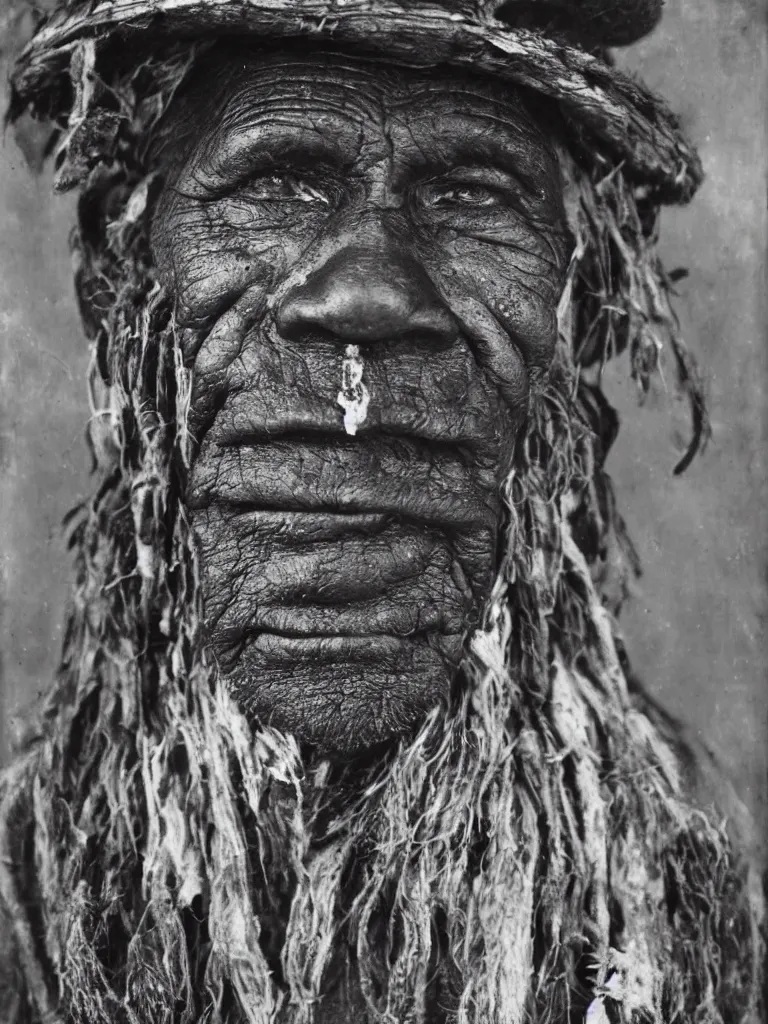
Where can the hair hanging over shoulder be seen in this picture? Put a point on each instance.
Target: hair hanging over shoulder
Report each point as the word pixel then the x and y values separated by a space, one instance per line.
pixel 531 855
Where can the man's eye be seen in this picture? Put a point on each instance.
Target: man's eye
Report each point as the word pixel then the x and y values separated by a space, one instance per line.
pixel 463 195
pixel 286 188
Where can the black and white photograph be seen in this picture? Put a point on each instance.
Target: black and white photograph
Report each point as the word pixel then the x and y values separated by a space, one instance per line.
pixel 384 493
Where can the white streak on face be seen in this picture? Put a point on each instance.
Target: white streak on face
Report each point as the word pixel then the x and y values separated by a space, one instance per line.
pixel 353 397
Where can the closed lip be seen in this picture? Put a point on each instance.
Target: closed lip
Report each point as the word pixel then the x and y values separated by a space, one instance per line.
pixel 299 529
pixel 346 480
pixel 377 650
pixel 292 648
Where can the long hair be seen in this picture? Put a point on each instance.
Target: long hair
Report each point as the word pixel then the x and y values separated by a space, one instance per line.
pixel 530 855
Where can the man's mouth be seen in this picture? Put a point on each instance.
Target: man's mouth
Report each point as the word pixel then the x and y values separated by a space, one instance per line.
pixel 322 535
pixel 405 477
pixel 348 568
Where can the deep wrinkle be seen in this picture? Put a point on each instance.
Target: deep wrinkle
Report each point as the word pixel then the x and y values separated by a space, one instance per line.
pixel 320 208
pixel 534 851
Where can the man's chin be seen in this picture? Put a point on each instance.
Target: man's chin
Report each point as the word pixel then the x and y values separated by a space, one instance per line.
pixel 344 694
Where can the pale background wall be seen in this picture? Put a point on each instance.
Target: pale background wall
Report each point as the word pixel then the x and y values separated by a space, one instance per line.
pixel 696 625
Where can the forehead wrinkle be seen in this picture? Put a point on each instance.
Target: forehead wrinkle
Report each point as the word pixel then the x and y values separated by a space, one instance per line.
pixel 351 112
pixel 342 115
pixel 500 110
pixel 476 122
pixel 338 83
pixel 290 117
pixel 289 111
pixel 477 92
pixel 324 125
pixel 468 105
pixel 324 60
pixel 270 132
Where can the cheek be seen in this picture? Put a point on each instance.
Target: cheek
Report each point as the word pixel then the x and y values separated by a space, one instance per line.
pixel 209 262
pixel 517 282
pixel 529 319
pixel 520 284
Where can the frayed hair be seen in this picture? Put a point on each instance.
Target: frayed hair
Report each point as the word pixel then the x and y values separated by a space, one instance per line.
pixel 529 856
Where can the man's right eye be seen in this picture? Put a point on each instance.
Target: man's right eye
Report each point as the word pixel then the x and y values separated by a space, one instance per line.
pixel 285 188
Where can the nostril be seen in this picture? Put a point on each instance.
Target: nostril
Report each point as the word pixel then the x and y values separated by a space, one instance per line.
pixel 429 339
pixel 363 297
pixel 296 322
pixel 320 334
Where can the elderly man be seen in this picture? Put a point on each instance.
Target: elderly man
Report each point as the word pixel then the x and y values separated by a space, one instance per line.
pixel 342 731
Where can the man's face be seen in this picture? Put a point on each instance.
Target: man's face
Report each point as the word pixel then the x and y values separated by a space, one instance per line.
pixel 366 262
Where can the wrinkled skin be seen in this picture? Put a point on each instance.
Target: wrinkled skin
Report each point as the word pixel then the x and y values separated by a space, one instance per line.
pixel 311 203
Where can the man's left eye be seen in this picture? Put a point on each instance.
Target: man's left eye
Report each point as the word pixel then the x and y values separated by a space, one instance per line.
pixel 463 195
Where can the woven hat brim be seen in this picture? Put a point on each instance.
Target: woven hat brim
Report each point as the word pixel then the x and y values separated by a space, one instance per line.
pixel 623 119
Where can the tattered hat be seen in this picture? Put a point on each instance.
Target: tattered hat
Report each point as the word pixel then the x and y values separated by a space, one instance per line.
pixel 558 49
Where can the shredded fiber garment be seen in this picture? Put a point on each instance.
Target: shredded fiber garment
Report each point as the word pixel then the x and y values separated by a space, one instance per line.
pixel 530 856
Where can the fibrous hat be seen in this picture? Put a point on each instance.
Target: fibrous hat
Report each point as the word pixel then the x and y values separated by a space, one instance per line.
pixel 555 47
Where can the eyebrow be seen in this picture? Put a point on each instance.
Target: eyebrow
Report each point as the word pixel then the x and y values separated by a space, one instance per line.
pixel 236 154
pixel 441 149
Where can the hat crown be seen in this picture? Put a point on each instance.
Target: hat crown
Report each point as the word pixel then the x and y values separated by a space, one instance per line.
pixel 609 22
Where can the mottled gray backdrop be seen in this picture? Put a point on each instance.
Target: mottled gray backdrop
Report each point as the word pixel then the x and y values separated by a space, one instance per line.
pixel 695 627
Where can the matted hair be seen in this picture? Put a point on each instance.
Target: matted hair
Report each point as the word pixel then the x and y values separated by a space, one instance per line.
pixel 530 855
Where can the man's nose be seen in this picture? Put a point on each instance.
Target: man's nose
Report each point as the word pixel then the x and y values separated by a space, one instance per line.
pixel 364 296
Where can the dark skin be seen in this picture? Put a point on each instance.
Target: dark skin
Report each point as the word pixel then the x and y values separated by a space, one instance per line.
pixel 318 202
